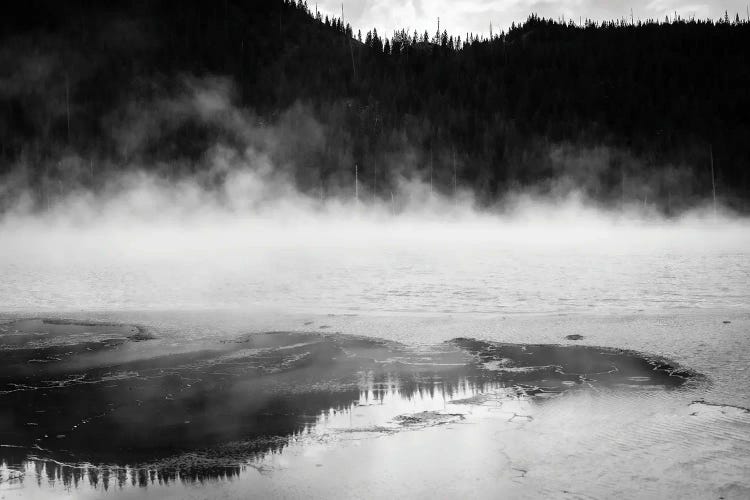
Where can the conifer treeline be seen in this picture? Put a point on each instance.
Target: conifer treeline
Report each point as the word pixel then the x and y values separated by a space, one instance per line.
pixel 657 101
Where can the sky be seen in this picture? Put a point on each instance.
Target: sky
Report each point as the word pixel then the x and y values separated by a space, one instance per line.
pixel 462 16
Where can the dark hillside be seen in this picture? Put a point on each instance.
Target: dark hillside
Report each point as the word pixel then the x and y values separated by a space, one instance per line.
pixel 622 112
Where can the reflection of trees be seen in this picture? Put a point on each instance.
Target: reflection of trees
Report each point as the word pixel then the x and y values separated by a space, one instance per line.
pixel 209 414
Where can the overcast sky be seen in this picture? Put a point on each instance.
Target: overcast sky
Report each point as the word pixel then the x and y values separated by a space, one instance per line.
pixel 461 16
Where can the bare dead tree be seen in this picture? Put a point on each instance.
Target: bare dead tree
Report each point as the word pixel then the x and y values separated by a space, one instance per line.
pixel 351 50
pixel 67 103
pixel 713 179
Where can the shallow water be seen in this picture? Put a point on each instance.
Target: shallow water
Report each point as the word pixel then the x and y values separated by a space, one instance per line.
pixel 441 280
pixel 386 419
pixel 139 330
pixel 359 263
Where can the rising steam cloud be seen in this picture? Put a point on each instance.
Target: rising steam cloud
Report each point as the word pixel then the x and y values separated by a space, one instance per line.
pixel 240 200
pixel 239 162
pixel 232 227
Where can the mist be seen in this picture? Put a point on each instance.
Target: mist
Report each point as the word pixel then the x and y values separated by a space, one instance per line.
pixel 245 247
pixel 244 191
pixel 196 202
pixel 253 239
pixel 255 208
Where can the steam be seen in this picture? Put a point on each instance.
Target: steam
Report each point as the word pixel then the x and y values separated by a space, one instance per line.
pixel 245 186
pixel 245 218
pixel 254 206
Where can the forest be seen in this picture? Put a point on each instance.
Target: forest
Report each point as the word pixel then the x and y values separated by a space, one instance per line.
pixel 652 112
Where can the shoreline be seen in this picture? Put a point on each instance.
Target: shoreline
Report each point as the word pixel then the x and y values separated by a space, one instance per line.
pixel 263 312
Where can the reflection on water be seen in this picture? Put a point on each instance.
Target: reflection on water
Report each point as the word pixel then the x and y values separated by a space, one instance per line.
pixel 382 408
pixel 99 405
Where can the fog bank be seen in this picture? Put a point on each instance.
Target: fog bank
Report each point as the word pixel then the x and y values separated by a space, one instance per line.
pixel 141 215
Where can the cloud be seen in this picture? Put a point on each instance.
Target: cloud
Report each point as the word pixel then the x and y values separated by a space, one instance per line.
pixel 461 16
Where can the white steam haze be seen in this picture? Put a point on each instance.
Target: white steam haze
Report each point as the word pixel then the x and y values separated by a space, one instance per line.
pixel 239 233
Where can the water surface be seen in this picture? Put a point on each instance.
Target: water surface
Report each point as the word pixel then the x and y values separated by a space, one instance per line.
pixel 94 406
pixel 207 362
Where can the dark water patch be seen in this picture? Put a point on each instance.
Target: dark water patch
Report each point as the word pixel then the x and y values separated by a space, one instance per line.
pixel 52 330
pixel 556 366
pixel 105 413
pixel 47 353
